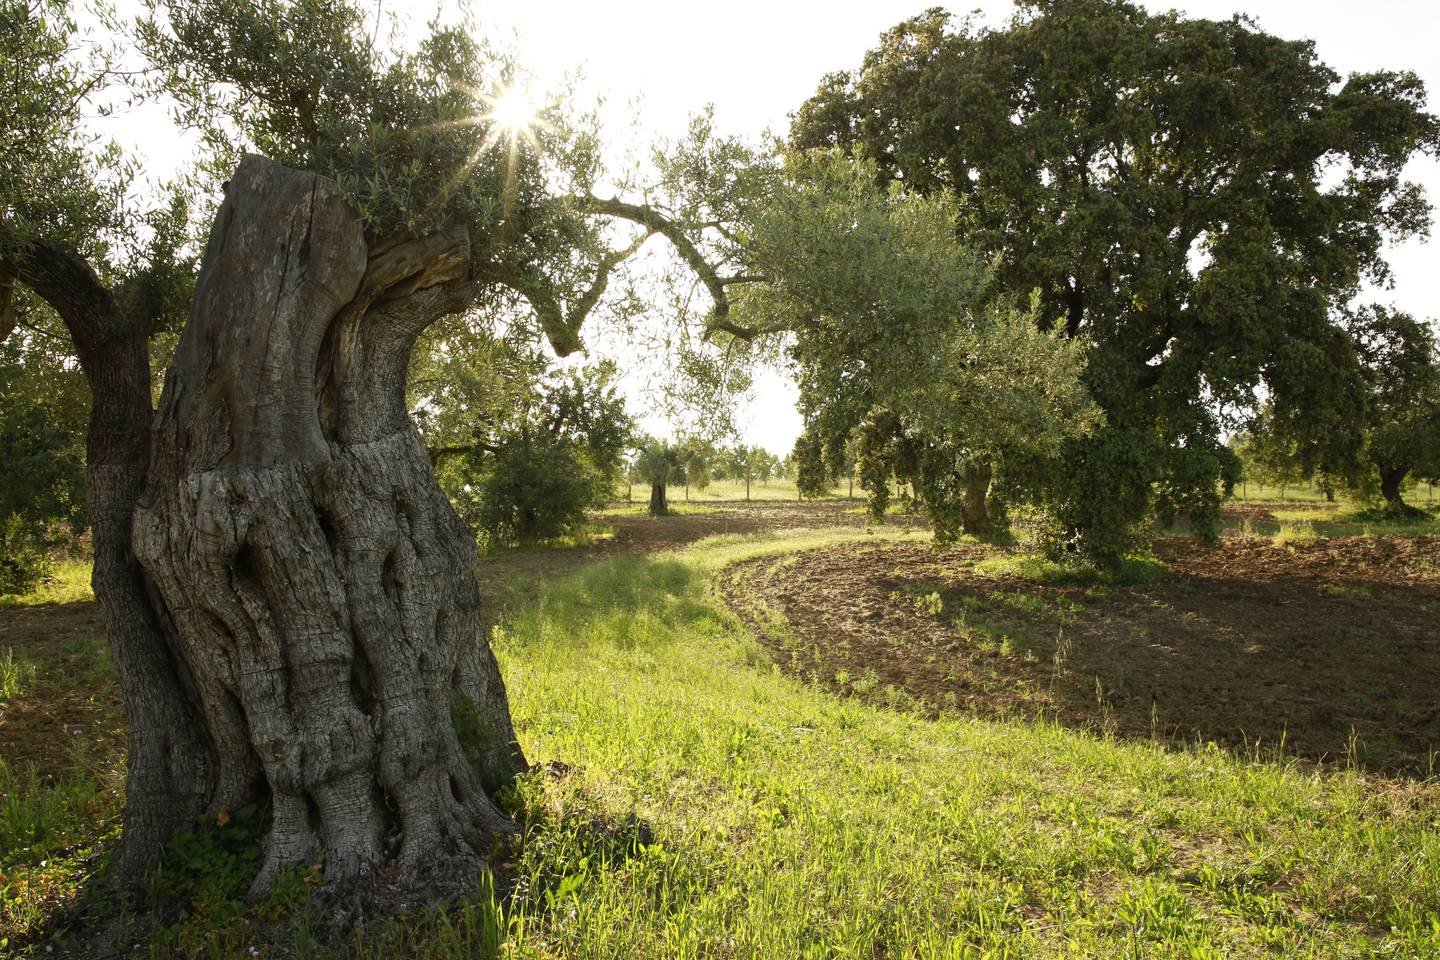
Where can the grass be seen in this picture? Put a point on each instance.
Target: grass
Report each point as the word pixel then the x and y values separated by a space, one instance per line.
pixel 67 582
pixel 1134 569
pixel 708 806
pixel 1292 532
pixel 641 508
pixel 1299 524
pixel 17 673
pixel 586 536
pixel 789 824
pixel 1416 492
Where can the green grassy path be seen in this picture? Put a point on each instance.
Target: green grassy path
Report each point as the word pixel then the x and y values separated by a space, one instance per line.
pixel 787 823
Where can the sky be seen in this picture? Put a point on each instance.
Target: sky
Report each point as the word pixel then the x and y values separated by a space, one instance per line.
pixel 655 62
pixel 756 61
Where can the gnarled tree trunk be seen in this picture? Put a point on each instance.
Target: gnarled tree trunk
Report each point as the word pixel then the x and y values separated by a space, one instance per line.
pixel 975 511
pixel 1392 483
pixel 659 506
pixel 309 573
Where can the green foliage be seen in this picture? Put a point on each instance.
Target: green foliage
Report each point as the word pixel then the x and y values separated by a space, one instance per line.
pixel 1193 199
pixel 407 128
pixel 1401 362
pixel 523 449
pixel 61 189
pixel 532 488
pixel 199 891
pixel 42 482
pixel 813 476
pixel 1267 455
pixel 897 336
pixel 53 181
pixel 212 863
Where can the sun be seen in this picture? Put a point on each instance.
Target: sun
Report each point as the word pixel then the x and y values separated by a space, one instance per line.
pixel 512 114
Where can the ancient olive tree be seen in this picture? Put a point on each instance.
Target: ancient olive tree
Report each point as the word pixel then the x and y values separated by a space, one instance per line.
pixel 290 599
pixel 1193 200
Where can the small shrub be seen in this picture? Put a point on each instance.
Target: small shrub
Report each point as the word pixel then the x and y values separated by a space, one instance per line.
pixel 1134 569
pixel 1292 533
pixel 24 561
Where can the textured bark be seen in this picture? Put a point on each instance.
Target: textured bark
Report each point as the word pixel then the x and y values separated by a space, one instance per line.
pixel 312 577
pixel 658 504
pixel 1392 481
pixel 975 511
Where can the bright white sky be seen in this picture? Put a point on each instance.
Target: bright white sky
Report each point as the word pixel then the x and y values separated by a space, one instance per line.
pixel 757 60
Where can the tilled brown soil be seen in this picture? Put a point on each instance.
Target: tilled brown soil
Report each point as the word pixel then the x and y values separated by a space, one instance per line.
pixel 71 717
pixel 1326 650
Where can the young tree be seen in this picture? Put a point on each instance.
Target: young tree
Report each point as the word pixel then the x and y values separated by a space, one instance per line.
pixel 530 454
pixel 1193 200
pixel 1268 455
pixel 739 466
pixel 658 462
pixel 698 457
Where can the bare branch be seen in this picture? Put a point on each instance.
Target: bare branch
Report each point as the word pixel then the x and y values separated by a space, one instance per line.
pixel 659 223
pixel 562 330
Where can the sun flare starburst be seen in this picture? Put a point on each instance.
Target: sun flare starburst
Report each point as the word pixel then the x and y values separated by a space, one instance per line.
pixel 512 114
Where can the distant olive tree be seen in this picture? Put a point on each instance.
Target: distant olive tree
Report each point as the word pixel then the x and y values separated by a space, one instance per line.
pixel 1401 361
pixel 658 463
pixel 896 330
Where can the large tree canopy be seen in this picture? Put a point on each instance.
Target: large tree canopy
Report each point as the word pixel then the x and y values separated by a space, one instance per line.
pixel 1193 199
